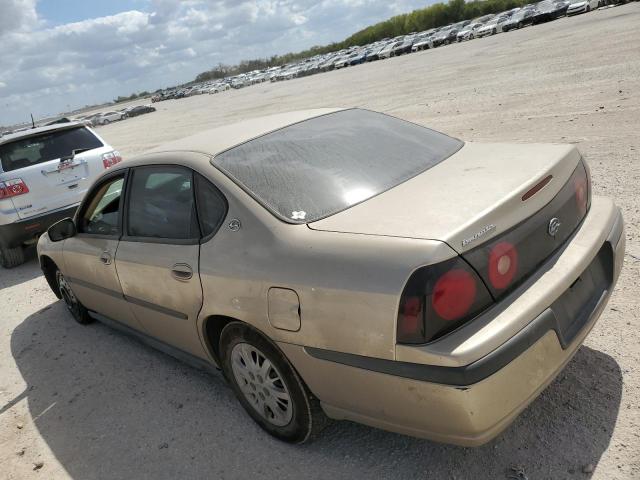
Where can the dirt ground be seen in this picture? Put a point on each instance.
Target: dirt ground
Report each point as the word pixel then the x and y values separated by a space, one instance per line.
pixel 88 403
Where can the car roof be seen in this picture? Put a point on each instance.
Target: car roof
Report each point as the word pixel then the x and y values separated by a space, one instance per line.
pixel 38 130
pixel 217 140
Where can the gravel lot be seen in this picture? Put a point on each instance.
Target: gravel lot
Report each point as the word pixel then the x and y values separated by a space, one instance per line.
pixel 89 402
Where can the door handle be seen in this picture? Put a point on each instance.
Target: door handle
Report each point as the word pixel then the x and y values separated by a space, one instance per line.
pixel 182 272
pixel 106 258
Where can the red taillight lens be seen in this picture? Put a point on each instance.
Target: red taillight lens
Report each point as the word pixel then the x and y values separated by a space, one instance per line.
pixel 503 264
pixel 581 186
pixel 111 158
pixel 13 188
pixel 411 318
pixel 438 299
pixel 453 294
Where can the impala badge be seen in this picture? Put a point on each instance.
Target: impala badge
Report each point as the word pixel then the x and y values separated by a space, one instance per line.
pixel 554 226
pixel 479 234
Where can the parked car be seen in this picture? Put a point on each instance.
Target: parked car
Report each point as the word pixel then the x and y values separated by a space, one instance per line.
pixel 490 28
pixel 140 110
pixel 387 51
pixel 468 32
pixel 547 11
pixel 581 6
pixel 291 252
pixel 44 173
pixel 108 117
pixel 404 46
pixel 423 41
pixel 518 20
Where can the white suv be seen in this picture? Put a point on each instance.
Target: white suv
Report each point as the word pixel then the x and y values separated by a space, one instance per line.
pixel 44 173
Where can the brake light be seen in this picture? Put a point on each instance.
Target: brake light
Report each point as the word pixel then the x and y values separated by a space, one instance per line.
pixel 111 158
pixel 13 188
pixel 581 186
pixel 453 294
pixel 503 264
pixel 411 323
pixel 439 298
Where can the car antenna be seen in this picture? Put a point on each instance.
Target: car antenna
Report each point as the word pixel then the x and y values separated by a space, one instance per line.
pixel 32 122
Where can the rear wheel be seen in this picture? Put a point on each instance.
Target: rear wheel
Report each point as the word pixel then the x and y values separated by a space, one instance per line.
pixel 268 387
pixel 11 257
pixel 77 310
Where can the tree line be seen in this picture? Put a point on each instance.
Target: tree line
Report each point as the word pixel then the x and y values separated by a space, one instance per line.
pixel 436 15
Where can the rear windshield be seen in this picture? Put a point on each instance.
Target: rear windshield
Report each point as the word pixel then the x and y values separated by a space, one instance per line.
pixel 319 167
pixel 48 146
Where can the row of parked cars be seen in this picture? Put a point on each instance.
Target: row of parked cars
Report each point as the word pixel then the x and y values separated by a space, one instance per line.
pixel 105 118
pixel 532 14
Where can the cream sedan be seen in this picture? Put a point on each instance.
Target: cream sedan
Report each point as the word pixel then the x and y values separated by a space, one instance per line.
pixel 351 265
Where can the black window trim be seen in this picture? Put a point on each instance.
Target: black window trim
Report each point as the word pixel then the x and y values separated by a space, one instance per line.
pixel 124 172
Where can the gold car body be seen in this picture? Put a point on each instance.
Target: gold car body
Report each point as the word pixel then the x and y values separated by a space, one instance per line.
pixel 327 293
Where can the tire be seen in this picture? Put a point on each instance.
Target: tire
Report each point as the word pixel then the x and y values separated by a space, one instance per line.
pixel 77 310
pixel 494 31
pixel 292 414
pixel 588 8
pixel 11 257
pixel 105 122
pixel 520 25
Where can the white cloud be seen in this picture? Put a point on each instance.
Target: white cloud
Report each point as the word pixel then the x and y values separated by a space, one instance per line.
pixel 47 70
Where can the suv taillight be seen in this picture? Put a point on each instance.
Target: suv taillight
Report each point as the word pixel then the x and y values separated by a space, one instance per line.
pixel 439 298
pixel 111 158
pixel 13 188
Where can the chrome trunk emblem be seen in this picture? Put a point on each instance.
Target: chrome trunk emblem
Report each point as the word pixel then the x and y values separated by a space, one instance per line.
pixel 554 226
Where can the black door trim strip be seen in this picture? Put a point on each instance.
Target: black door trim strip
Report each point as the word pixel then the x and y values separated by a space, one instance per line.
pixel 133 300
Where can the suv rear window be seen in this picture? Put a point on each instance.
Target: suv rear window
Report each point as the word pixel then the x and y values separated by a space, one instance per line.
pixel 321 166
pixel 45 147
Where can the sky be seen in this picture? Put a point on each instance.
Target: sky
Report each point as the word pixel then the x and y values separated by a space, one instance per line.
pixel 58 55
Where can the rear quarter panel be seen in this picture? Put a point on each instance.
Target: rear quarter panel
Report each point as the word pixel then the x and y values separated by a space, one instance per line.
pixel 348 284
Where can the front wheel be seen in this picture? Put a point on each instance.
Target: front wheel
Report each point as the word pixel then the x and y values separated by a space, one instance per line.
pixel 77 310
pixel 267 385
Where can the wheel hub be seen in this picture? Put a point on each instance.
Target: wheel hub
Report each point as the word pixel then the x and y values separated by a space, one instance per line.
pixel 261 384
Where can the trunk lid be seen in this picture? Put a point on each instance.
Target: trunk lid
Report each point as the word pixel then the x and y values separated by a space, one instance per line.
pixel 466 200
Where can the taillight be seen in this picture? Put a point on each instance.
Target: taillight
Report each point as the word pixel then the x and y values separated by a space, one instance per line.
pixel 13 188
pixel 111 158
pixel 581 186
pixel 453 294
pixel 438 299
pixel 503 264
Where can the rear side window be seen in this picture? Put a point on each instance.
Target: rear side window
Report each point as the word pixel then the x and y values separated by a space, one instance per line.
pixel 326 164
pixel 162 204
pixel 46 147
pixel 212 206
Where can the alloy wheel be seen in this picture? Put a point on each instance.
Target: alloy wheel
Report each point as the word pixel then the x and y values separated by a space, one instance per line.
pixel 261 384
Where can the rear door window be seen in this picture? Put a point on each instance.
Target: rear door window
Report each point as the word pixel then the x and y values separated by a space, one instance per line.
pixel 45 147
pixel 161 204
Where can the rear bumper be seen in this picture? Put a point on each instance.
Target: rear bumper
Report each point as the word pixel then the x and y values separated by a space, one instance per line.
pixel 28 231
pixel 472 403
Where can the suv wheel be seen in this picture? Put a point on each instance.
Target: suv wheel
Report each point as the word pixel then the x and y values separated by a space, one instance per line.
pixel 267 385
pixel 11 257
pixel 77 310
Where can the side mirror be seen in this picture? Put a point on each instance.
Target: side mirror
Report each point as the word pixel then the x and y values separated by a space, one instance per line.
pixel 62 230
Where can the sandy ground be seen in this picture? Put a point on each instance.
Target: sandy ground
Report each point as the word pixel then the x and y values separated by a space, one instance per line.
pixel 91 403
